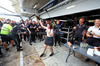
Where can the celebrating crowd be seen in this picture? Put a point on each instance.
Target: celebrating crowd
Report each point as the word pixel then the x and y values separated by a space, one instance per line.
pixel 12 32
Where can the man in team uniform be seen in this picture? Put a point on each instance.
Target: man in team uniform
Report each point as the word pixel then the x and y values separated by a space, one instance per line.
pixel 22 24
pixel 57 29
pixel 27 33
pixel 80 30
pixel 40 31
pixel 14 35
pixel 31 28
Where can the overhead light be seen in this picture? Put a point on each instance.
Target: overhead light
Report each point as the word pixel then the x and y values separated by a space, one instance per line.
pixel 35 6
pixel 72 6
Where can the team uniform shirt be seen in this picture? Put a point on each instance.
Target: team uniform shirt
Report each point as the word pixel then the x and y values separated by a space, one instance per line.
pixel 5 30
pixel 79 29
pixel 51 31
pixel 96 31
pixel 31 27
pixel 1 27
pixel 40 28
pixel 27 25
pixel 56 28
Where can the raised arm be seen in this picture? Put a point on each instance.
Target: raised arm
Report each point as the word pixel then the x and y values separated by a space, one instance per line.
pixel 42 24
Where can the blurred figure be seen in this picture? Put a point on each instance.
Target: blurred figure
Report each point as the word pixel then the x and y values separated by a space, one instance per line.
pixel 5 31
pixel 49 38
pixel 27 33
pixel 57 29
pixel 14 35
pixel 80 30
pixel 0 27
pixel 7 21
pixel 22 24
pixel 93 34
pixel 51 21
pixel 40 31
pixel 14 22
pixel 31 29
pixel 0 52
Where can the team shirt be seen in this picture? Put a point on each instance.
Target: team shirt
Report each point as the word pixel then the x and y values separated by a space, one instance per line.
pixel 95 30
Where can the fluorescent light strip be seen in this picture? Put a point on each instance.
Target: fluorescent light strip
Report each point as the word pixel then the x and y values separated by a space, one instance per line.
pixel 72 6
pixel 35 6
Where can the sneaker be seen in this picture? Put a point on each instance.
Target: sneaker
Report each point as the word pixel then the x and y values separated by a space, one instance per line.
pixel 7 49
pixel 54 45
pixel 59 45
pixel 42 55
pixel 34 41
pixel 30 43
pixel 87 60
pixel 51 54
pixel 24 39
pixel 13 45
pixel 1 55
pixel 19 49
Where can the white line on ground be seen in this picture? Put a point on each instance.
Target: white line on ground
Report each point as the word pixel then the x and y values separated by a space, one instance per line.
pixel 21 56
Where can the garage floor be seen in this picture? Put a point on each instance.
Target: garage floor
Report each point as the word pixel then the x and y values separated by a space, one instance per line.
pixel 30 55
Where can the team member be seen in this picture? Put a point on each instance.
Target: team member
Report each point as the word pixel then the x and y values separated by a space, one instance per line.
pixel 43 32
pixel 35 27
pixel 22 24
pixel 57 29
pixel 0 49
pixel 27 33
pixel 14 22
pixel 31 29
pixel 40 31
pixel 45 29
pixel 5 31
pixel 34 31
pixel 0 27
pixel 7 21
pixel 80 30
pixel 93 35
pixel 49 38
pixel 14 35
pixel 37 30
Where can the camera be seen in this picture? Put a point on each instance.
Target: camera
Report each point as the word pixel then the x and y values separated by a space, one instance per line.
pixel 90 32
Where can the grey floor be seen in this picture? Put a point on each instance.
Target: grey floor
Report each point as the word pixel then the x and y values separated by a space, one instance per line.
pixel 31 56
pixel 59 59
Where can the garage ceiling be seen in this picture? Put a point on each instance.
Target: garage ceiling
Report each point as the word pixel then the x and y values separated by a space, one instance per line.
pixel 29 4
